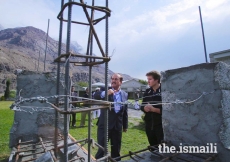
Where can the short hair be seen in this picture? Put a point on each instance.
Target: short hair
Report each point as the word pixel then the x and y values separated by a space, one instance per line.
pixel 120 76
pixel 155 74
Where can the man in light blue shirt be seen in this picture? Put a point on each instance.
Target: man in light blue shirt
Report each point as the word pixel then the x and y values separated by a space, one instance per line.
pixel 118 118
pixel 116 98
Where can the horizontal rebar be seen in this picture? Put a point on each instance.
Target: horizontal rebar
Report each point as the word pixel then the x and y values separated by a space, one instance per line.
pixel 98 8
pixel 169 157
pixel 106 59
pixel 81 110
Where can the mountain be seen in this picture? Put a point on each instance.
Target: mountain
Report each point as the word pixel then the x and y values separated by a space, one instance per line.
pixel 24 48
pixel 1 27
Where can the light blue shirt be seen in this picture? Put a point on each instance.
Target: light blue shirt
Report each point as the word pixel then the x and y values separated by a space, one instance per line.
pixel 116 98
pixel 103 94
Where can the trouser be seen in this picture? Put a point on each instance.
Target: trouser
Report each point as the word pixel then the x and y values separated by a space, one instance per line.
pixel 115 141
pixel 83 117
pixel 155 134
pixel 136 106
pixel 73 119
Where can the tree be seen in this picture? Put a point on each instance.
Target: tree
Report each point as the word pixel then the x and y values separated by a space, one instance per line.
pixel 143 81
pixel 83 84
pixel 7 91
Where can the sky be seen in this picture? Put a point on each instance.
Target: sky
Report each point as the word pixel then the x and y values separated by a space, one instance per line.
pixel 144 35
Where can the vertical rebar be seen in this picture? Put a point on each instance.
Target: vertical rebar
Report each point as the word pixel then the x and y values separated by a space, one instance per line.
pixel 67 86
pixel 89 114
pixel 58 83
pixel 201 22
pixel 90 85
pixel 47 34
pixel 106 83
pixel 89 41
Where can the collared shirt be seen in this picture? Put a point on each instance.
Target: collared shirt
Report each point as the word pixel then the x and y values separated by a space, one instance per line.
pixel 103 94
pixel 153 97
pixel 116 98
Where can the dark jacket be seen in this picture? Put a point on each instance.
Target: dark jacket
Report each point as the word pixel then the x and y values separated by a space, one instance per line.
pixel 116 120
pixel 153 98
pixel 86 96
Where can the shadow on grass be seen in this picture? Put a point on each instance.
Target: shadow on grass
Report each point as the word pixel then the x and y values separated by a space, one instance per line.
pixel 6 159
pixel 75 127
pixel 136 124
pixel 141 126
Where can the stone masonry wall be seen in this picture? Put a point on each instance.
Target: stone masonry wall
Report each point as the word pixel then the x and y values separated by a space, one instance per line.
pixel 207 120
pixel 35 119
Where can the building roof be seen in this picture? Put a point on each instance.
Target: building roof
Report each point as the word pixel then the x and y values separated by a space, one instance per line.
pixel 99 84
pixel 219 55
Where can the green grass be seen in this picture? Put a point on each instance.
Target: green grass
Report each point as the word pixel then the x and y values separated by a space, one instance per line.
pixel 134 139
pixel 6 121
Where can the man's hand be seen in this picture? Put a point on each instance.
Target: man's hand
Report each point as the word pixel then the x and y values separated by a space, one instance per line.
pixel 148 108
pixel 110 91
pixel 124 130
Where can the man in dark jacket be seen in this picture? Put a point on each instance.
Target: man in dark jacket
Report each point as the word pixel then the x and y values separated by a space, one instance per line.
pixel 83 114
pixel 118 118
pixel 153 113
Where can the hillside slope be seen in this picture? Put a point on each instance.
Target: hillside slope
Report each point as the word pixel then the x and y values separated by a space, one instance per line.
pixel 24 48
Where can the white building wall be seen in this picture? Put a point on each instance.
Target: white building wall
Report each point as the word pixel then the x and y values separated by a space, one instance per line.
pixel 223 56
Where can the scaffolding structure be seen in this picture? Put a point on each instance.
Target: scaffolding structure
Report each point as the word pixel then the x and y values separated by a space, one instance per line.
pixel 90 61
pixel 49 149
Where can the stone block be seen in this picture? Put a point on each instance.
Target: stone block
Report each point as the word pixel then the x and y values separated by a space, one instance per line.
pixel 199 113
pixel 34 118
